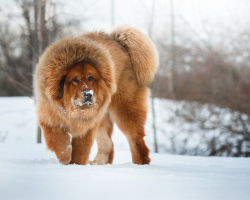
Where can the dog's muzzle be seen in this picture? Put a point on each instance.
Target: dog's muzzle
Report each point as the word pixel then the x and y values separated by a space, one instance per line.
pixel 88 96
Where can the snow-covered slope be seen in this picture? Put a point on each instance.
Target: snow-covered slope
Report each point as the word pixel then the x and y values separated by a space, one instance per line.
pixel 29 171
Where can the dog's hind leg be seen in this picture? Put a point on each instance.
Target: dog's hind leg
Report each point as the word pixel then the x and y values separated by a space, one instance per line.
pixel 58 140
pixel 130 116
pixel 82 147
pixel 105 152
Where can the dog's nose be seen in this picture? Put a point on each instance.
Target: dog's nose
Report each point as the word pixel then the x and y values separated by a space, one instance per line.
pixel 87 95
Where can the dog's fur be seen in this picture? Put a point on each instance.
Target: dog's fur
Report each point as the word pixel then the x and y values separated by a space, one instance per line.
pixel 123 64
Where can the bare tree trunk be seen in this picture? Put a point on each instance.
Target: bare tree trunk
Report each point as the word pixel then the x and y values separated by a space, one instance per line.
pixel 40 34
pixel 41 26
pixel 35 42
pixel 174 70
pixel 39 134
pixel 154 126
pixel 150 32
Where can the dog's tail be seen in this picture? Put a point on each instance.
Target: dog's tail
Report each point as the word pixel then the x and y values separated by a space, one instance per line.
pixel 142 52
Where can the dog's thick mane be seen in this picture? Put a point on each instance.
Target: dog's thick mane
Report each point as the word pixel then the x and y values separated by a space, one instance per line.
pixel 59 57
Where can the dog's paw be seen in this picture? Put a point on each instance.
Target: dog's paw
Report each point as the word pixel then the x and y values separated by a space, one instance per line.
pixel 64 156
pixel 98 162
pixel 100 159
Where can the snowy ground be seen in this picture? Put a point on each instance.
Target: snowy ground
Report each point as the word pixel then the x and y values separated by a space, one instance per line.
pixel 32 172
pixel 29 171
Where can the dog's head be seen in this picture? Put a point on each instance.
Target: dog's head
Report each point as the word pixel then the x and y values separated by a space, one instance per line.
pixel 76 75
pixel 83 91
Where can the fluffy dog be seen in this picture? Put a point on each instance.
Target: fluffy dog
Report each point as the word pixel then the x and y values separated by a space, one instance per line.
pixel 85 84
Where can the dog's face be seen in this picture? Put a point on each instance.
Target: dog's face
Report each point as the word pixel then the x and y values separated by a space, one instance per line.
pixel 83 91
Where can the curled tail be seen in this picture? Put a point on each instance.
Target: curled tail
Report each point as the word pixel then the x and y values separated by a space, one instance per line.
pixel 142 51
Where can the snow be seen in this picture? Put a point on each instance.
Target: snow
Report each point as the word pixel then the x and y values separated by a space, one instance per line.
pixel 80 103
pixel 89 92
pixel 32 172
pixel 29 171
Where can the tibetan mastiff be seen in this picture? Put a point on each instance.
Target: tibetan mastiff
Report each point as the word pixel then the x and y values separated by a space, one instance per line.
pixel 87 83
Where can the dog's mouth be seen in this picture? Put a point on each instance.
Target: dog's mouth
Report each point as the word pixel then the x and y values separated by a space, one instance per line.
pixel 83 103
pixel 86 103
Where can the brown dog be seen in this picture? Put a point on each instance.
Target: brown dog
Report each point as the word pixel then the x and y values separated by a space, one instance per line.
pixel 85 84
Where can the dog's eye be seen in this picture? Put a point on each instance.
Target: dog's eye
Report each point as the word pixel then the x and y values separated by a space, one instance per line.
pixel 76 80
pixel 90 79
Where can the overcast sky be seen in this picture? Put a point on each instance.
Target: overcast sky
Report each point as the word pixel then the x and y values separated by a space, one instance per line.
pixel 197 13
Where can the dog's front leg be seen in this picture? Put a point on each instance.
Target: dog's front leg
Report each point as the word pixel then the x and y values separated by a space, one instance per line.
pixel 58 140
pixel 82 147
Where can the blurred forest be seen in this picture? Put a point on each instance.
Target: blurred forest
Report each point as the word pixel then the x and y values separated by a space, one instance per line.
pixel 212 72
pixel 20 50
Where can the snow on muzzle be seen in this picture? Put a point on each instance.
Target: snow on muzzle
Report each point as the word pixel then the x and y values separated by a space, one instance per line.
pixel 88 97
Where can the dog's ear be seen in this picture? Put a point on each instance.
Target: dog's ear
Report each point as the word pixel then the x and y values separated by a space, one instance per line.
pixel 61 89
